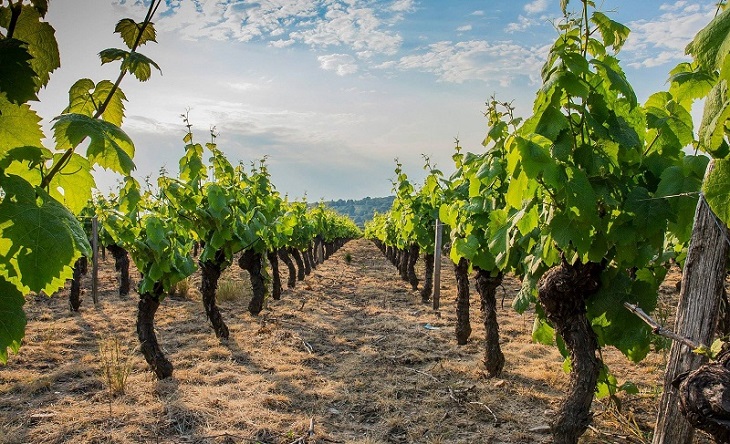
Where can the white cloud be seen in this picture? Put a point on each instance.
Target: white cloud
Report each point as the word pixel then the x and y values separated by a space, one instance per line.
pixel 663 39
pixel 342 64
pixel 464 28
pixel 358 24
pixel 521 24
pixel 536 6
pixel 478 13
pixel 500 62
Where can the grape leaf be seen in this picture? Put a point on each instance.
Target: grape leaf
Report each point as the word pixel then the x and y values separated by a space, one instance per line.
pixel 41 40
pixel 19 126
pixel 714 120
pixel 712 44
pixel 39 238
pixel 12 319
pixel 129 30
pixel 16 73
pixel 716 189
pixel 139 66
pixel 111 54
pixel 72 185
pixel 110 147
pixel 613 33
pixel 86 98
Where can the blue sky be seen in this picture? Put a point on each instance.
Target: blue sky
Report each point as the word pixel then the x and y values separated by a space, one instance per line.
pixel 333 90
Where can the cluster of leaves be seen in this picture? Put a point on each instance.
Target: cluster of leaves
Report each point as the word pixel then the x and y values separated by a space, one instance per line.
pixel 226 208
pixel 43 190
pixel 411 218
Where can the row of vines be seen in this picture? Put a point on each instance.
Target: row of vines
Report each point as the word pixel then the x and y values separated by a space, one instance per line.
pixel 588 201
pixel 212 214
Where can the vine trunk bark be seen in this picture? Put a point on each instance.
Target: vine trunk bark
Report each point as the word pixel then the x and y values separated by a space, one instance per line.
pixel 121 265
pixel 463 325
pixel 147 308
pixel 80 268
pixel 428 260
pixel 411 266
pixel 272 256
pixel 562 291
pixel 487 285
pixel 300 263
pixel 284 256
pixel 251 262
pixel 210 272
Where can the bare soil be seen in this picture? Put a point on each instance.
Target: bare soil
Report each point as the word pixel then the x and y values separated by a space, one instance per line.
pixel 350 351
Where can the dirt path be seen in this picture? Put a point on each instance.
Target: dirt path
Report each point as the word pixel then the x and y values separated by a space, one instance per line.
pixel 349 348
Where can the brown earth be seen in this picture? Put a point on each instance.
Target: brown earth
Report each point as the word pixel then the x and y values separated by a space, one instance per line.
pixel 351 351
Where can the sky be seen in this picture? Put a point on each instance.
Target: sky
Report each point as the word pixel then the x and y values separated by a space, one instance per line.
pixel 332 91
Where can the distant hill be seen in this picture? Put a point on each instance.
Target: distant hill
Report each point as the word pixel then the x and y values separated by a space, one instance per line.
pixel 361 210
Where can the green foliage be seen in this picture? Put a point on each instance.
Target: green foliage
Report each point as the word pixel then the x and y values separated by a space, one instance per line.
pixel 42 190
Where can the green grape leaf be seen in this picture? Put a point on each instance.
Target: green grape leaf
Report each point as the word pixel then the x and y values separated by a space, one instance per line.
pixel 72 185
pixel 25 162
pixel 16 74
pixel 41 40
pixel 41 6
pixel 714 121
pixel 566 229
pixel 716 189
pixel 580 193
pixel 542 332
pixel 110 147
pixel 139 66
pixel 40 239
pixel 86 98
pixel 688 85
pixel 129 30
pixel 712 44
pixel 613 33
pixel 20 126
pixel 616 78
pixel 111 54
pixel 12 319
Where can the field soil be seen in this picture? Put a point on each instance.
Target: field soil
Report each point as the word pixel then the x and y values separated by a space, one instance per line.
pixel 350 355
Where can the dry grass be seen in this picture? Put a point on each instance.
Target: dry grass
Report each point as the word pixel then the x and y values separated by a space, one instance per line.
pixel 346 347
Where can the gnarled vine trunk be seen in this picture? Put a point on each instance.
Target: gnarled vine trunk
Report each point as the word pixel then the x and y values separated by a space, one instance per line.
pixel 403 264
pixel 306 261
pixel 463 326
pixel 310 254
pixel 251 262
pixel 147 308
pixel 427 289
pixel 275 277
pixel 80 268
pixel 562 291
pixel 704 397
pixel 300 263
pixel 487 288
pixel 284 256
pixel 411 266
pixel 210 272
pixel 121 265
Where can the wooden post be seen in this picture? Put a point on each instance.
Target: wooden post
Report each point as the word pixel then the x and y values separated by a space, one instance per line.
pixel 437 267
pixel 95 259
pixel 702 284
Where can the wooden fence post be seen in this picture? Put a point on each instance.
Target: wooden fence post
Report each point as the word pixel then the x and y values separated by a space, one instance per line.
pixel 703 279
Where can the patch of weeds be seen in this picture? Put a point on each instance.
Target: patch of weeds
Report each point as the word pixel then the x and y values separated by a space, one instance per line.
pixel 116 364
pixel 348 258
pixel 229 290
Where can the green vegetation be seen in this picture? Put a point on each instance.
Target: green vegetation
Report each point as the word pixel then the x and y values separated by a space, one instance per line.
pixel 362 210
